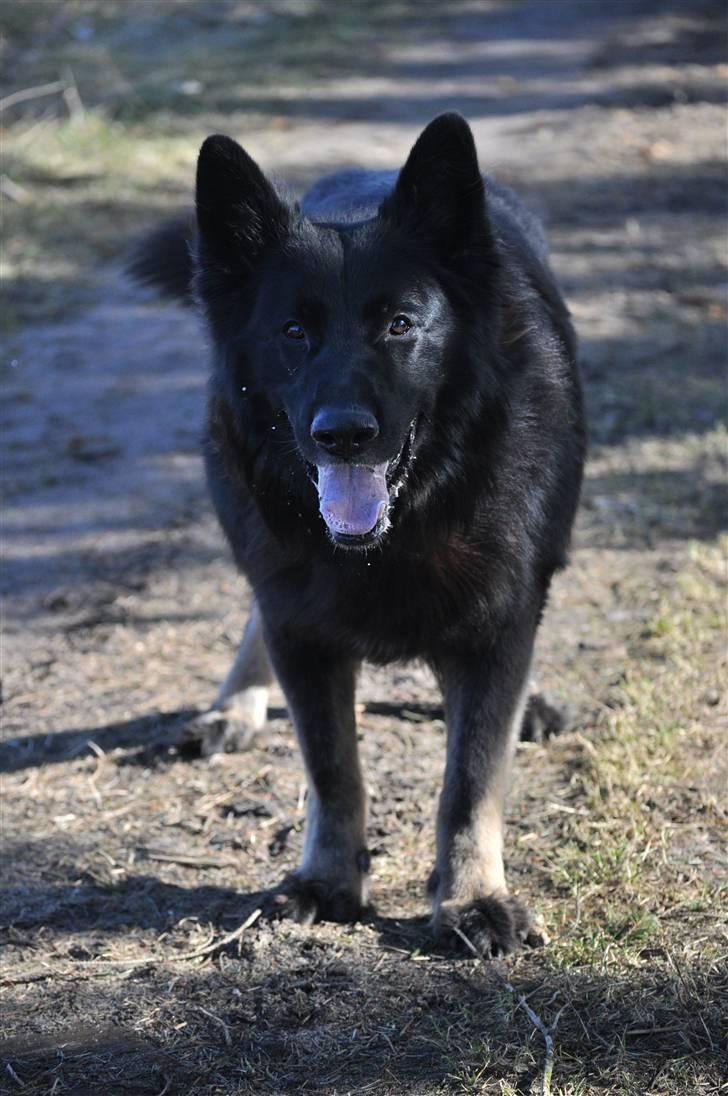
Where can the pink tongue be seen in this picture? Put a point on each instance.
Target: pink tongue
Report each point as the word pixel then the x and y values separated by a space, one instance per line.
pixel 352 498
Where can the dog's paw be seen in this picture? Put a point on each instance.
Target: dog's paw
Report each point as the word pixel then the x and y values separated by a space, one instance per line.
pixel 310 900
pixel 216 732
pixel 231 725
pixel 493 926
pixel 544 718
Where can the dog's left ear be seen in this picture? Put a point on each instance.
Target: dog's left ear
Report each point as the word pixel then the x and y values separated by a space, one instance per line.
pixel 439 193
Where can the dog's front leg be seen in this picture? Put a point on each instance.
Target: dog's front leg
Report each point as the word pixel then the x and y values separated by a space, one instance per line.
pixel 330 883
pixel 240 708
pixel 485 694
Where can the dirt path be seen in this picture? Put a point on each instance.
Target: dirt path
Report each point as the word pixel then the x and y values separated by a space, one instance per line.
pixel 122 612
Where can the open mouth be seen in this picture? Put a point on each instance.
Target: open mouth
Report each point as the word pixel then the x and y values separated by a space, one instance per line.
pixel 355 499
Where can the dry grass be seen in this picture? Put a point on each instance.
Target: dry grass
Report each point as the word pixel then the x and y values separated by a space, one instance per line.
pixel 125 906
pixel 82 173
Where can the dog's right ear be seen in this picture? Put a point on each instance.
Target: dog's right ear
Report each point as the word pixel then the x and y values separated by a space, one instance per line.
pixel 238 210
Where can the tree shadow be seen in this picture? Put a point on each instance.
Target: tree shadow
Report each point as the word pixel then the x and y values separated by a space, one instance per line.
pixel 163 737
pixel 329 1009
pixel 638 509
pixel 154 734
pixel 556 52
pixel 139 902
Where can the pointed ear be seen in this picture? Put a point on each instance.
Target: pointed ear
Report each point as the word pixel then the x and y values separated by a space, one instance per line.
pixel 238 210
pixel 439 193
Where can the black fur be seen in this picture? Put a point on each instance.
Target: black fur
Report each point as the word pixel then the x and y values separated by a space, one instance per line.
pixel 494 927
pixel 165 259
pixel 479 413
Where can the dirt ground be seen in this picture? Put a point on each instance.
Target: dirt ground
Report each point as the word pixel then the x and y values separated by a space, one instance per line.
pixel 134 957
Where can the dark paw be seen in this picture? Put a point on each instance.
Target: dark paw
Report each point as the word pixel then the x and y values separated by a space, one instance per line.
pixel 310 900
pixel 215 732
pixel 492 927
pixel 544 718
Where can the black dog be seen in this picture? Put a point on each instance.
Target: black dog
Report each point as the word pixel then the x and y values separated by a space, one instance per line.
pixel 394 447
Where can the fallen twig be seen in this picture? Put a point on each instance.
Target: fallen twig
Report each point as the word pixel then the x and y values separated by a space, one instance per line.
pixel 224 940
pixel 9 1069
pixel 66 87
pixel 546 1032
pixel 187 860
pixel 72 97
pixel 133 964
pixel 36 974
pixel 212 1016
pixel 12 190
pixel 32 93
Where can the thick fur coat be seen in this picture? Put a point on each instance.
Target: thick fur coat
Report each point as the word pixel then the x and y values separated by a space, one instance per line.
pixel 394 447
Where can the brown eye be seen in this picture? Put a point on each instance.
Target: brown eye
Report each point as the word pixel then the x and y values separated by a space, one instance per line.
pixel 293 330
pixel 400 325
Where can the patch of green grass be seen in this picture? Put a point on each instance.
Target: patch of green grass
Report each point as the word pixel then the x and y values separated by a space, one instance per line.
pixel 633 988
pixel 134 58
pixel 149 80
pixel 642 863
pixel 646 777
pixel 84 188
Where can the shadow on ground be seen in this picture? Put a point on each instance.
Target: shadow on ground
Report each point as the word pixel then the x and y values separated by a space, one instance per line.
pixel 301 1028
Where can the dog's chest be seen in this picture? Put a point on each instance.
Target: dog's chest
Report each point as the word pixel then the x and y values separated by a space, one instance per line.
pixel 408 607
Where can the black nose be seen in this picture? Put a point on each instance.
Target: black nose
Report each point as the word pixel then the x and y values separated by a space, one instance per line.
pixel 343 433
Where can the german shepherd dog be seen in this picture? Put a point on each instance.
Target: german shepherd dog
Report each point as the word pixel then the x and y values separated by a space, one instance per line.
pixel 394 448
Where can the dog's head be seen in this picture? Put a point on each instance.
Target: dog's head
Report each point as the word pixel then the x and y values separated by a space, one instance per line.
pixel 342 335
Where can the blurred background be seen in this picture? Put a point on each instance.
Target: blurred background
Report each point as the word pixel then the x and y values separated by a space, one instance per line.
pixel 122 610
pixel 105 104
